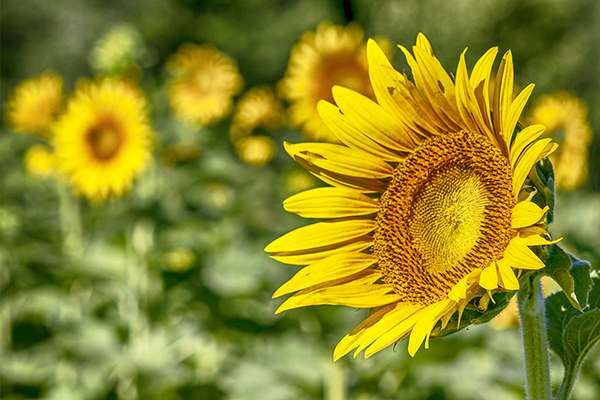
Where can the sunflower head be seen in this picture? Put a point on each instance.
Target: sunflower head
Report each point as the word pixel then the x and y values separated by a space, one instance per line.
pixel 258 108
pixel 103 139
pixel 565 116
pixel 425 209
pixel 39 161
pixel 204 82
pixel 34 104
pixel 332 55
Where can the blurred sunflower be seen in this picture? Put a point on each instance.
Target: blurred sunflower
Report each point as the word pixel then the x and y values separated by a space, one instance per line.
pixel 565 116
pixel 427 203
pixel 333 55
pixel 39 161
pixel 35 103
pixel 103 138
pixel 258 107
pixel 205 80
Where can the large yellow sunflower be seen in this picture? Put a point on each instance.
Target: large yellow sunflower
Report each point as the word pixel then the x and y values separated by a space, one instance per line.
pixel 35 103
pixel 426 199
pixel 103 139
pixel 205 82
pixel 332 55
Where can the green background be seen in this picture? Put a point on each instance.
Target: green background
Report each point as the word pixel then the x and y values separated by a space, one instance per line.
pixel 117 322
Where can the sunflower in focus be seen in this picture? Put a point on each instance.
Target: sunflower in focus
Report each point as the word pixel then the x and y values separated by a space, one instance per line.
pixel 428 206
pixel 565 116
pixel 205 80
pixel 34 104
pixel 103 139
pixel 333 55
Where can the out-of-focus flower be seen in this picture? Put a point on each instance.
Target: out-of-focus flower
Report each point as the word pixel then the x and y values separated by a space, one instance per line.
pixel 180 152
pixel 205 80
pixel 180 259
pixel 103 139
pixel 256 150
pixel 510 316
pixel 39 161
pixel 34 104
pixel 424 211
pixel 333 55
pixel 258 107
pixel 117 52
pixel 565 117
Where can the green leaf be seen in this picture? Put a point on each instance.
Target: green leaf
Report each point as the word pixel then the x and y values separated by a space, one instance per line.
pixel 581 335
pixel 580 271
pixel 571 333
pixel 558 266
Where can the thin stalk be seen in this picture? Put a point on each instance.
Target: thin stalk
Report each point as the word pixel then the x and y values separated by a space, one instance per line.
pixel 535 341
pixel 70 221
pixel 566 387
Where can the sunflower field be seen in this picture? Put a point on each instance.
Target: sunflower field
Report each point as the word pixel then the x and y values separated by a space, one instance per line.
pixel 173 170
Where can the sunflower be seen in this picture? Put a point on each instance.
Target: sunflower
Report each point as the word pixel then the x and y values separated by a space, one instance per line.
pixel 35 103
pixel 39 161
pixel 259 107
pixel 204 84
pixel 427 206
pixel 333 55
pixel 103 138
pixel 565 116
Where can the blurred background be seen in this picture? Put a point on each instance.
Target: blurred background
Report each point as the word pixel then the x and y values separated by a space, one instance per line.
pixel 165 292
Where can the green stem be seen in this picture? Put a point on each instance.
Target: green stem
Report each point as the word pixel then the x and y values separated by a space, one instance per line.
pixel 566 387
pixel 535 341
pixel 70 221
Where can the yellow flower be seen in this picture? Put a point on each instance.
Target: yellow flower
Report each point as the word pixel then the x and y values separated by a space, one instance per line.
pixel 425 208
pixel 35 103
pixel 565 116
pixel 204 84
pixel 333 55
pixel 258 107
pixel 256 150
pixel 103 139
pixel 39 161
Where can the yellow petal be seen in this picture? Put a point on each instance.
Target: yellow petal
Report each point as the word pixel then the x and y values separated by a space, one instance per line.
pixel 514 112
pixel 330 202
pixel 526 162
pixel 391 334
pixel 489 277
pixel 460 289
pixel 524 138
pixel 310 256
pixel 372 119
pixel 424 325
pixel 343 181
pixel 322 234
pixel 538 240
pixel 518 255
pixel 340 159
pixel 527 213
pixel 351 136
pixel 467 102
pixel 423 43
pixel 509 280
pixel 360 292
pixel 328 269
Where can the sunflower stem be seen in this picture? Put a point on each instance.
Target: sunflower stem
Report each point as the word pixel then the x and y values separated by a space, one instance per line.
pixel 70 221
pixel 535 340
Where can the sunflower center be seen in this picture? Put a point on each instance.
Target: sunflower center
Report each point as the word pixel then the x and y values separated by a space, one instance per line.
pixel 447 216
pixel 446 212
pixel 105 139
